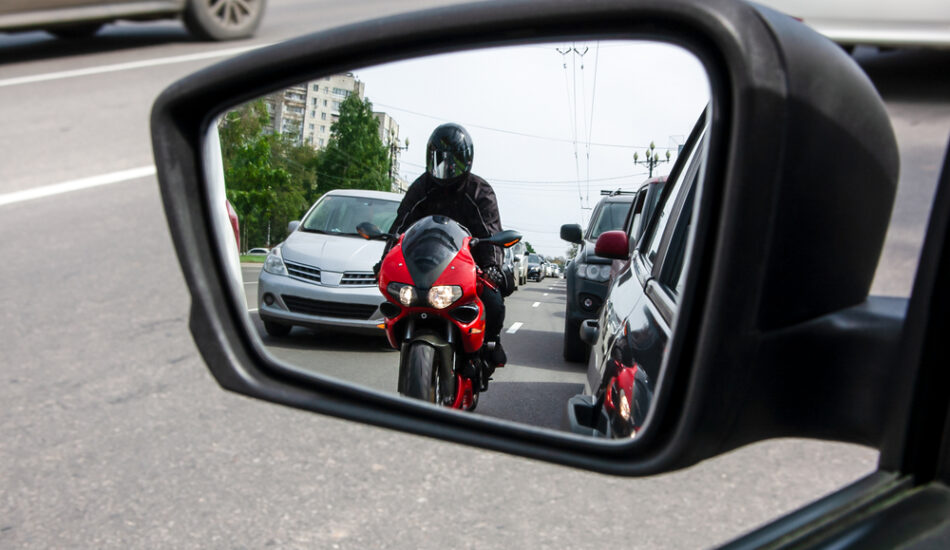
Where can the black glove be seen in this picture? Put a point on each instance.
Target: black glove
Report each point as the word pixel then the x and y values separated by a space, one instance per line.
pixel 493 274
pixel 376 268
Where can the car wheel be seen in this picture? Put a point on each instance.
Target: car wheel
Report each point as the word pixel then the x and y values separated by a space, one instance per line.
pixel 277 329
pixel 223 19
pixel 75 32
pixel 575 350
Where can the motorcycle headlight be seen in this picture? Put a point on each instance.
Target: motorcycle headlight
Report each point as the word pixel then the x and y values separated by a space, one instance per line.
pixel 624 405
pixel 274 264
pixel 405 293
pixel 442 297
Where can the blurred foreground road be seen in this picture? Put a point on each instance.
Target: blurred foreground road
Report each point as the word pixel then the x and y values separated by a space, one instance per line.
pixel 114 434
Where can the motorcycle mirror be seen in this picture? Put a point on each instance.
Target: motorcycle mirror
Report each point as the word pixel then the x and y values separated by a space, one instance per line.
pixel 369 231
pixel 721 325
pixel 502 239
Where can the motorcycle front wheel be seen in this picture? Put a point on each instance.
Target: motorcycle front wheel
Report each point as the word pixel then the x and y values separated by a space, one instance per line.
pixel 422 376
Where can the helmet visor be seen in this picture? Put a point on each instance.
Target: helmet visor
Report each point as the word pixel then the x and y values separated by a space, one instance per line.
pixel 444 165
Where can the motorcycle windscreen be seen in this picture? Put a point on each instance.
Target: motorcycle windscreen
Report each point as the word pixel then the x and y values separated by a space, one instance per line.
pixel 429 247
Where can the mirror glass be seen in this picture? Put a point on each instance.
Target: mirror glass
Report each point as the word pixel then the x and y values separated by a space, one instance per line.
pixel 525 138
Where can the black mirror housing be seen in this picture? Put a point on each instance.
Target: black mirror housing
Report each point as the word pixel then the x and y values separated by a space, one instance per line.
pixel 783 97
pixel 572 233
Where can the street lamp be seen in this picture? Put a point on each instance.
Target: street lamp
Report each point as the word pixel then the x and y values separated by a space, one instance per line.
pixel 652 158
pixel 394 149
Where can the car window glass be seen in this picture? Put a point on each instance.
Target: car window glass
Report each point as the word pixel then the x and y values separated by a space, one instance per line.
pixel 664 215
pixel 342 214
pixel 610 216
pixel 673 280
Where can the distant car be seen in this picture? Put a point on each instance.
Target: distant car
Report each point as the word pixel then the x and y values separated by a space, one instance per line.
pixel 587 274
pixel 322 274
pixel 509 270
pixel 223 20
pixel 535 267
pixel 520 252
pixel 258 251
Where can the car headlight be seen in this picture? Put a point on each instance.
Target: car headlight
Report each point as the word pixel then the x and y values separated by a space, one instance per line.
pixel 406 294
pixel 274 264
pixel 442 297
pixel 594 272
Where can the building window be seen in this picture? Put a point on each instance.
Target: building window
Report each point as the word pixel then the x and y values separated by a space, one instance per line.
pixel 321 142
pixel 324 103
pixel 336 105
pixel 316 87
pixel 314 101
pixel 323 129
pixel 341 91
pixel 323 116
pixel 311 126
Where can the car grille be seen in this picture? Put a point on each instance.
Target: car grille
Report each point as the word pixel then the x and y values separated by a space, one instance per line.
pixel 358 279
pixel 340 310
pixel 302 271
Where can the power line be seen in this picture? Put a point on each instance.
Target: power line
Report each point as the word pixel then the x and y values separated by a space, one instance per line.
pixel 492 180
pixel 503 131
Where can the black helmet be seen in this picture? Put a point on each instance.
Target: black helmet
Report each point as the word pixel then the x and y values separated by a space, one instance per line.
pixel 449 154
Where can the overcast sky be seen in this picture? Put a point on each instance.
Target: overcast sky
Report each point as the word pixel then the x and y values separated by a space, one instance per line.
pixel 551 129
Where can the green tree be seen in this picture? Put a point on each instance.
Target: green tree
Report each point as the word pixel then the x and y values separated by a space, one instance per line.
pixel 355 157
pixel 529 248
pixel 268 178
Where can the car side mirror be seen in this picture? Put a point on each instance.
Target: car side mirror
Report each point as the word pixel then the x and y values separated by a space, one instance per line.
pixel 737 323
pixel 292 226
pixel 612 244
pixel 572 233
pixel 371 232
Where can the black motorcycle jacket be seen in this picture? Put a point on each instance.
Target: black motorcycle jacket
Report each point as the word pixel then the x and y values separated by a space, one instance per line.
pixel 471 203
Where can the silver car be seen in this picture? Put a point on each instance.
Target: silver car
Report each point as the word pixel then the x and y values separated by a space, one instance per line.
pixel 205 19
pixel 322 274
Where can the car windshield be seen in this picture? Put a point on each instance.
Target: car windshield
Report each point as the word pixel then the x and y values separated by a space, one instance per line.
pixel 339 215
pixel 534 259
pixel 610 216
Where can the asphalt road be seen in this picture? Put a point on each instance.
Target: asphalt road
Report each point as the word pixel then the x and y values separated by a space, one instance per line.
pixel 115 436
pixel 531 389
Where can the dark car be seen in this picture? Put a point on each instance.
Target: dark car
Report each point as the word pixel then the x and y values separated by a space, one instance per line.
pixel 587 274
pixel 535 267
pixel 630 335
pixel 221 20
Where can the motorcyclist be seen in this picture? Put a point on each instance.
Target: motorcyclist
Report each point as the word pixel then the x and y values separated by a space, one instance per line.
pixel 449 188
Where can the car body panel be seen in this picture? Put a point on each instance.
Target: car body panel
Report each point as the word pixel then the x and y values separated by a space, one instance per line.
pixel 27 15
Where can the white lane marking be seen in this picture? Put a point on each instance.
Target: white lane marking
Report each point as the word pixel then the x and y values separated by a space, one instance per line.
pixel 125 66
pixel 514 328
pixel 76 185
pixel 545 294
pixel 536 304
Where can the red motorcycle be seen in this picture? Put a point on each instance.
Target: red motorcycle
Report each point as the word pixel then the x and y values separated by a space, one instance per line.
pixel 433 314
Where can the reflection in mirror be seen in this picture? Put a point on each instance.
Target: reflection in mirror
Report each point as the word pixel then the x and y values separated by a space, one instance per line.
pixel 366 203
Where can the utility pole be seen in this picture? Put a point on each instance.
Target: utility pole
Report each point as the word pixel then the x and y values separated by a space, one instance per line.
pixel 394 149
pixel 652 158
